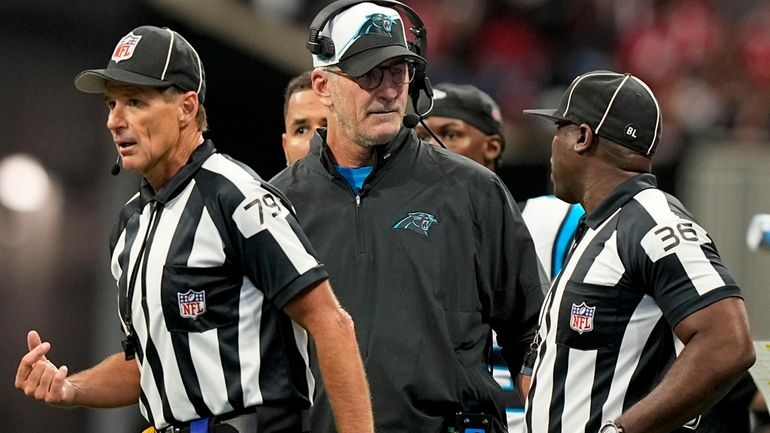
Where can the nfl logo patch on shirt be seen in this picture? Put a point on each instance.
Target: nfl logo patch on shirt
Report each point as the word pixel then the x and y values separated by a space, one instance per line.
pixel 125 47
pixel 192 304
pixel 582 318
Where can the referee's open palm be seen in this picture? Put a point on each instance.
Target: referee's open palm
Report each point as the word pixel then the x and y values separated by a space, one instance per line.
pixel 39 378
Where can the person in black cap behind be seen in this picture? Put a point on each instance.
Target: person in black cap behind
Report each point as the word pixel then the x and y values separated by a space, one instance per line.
pixel 216 279
pixel 426 248
pixel 644 328
pixel 468 121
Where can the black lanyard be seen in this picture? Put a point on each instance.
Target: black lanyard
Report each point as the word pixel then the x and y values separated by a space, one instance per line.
pixel 130 341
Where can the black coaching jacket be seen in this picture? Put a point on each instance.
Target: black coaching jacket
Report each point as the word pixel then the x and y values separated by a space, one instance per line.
pixel 428 258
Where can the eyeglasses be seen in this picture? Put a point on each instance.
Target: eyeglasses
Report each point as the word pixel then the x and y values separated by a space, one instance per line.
pixel 401 73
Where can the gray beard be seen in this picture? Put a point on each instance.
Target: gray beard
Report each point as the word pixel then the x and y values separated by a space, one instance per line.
pixel 362 139
pixel 365 141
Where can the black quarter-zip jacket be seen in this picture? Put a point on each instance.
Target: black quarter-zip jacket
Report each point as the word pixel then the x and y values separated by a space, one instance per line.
pixel 427 258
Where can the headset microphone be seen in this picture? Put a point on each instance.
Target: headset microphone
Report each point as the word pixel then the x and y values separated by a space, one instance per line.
pixel 411 120
pixel 115 169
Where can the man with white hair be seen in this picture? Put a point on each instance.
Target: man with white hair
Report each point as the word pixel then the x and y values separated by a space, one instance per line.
pixel 426 248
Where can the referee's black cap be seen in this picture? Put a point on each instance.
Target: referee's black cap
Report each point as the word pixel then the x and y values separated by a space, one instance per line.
pixel 149 56
pixel 469 104
pixel 618 107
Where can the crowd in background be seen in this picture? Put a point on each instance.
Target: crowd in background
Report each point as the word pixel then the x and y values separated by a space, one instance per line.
pixel 707 60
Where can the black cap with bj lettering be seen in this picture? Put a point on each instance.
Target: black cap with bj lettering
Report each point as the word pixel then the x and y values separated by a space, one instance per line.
pixel 619 107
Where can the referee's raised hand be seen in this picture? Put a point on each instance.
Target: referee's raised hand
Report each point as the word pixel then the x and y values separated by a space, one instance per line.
pixel 39 378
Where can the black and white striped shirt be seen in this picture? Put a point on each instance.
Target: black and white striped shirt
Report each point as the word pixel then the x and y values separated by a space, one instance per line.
pixel 552 224
pixel 641 265
pixel 210 260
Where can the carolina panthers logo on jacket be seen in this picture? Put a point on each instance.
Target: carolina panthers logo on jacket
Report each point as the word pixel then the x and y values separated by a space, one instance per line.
pixel 418 222
pixel 377 24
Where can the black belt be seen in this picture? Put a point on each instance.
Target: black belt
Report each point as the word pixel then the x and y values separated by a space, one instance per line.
pixel 246 423
pixel 258 419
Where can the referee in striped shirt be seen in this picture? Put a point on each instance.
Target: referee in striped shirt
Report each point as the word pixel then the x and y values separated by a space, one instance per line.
pixel 217 284
pixel 644 328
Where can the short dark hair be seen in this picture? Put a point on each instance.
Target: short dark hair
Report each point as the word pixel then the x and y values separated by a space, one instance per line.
pixel 299 83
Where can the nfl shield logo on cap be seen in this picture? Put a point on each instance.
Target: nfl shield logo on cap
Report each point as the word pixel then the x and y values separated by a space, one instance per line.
pixel 125 47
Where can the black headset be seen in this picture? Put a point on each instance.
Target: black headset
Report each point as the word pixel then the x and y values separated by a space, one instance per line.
pixel 324 46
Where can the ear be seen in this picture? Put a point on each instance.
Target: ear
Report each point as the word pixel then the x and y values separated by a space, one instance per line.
pixel 321 86
pixel 285 153
pixel 585 139
pixel 493 146
pixel 188 108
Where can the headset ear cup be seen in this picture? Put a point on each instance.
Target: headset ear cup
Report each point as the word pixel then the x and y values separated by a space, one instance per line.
pixel 327 47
